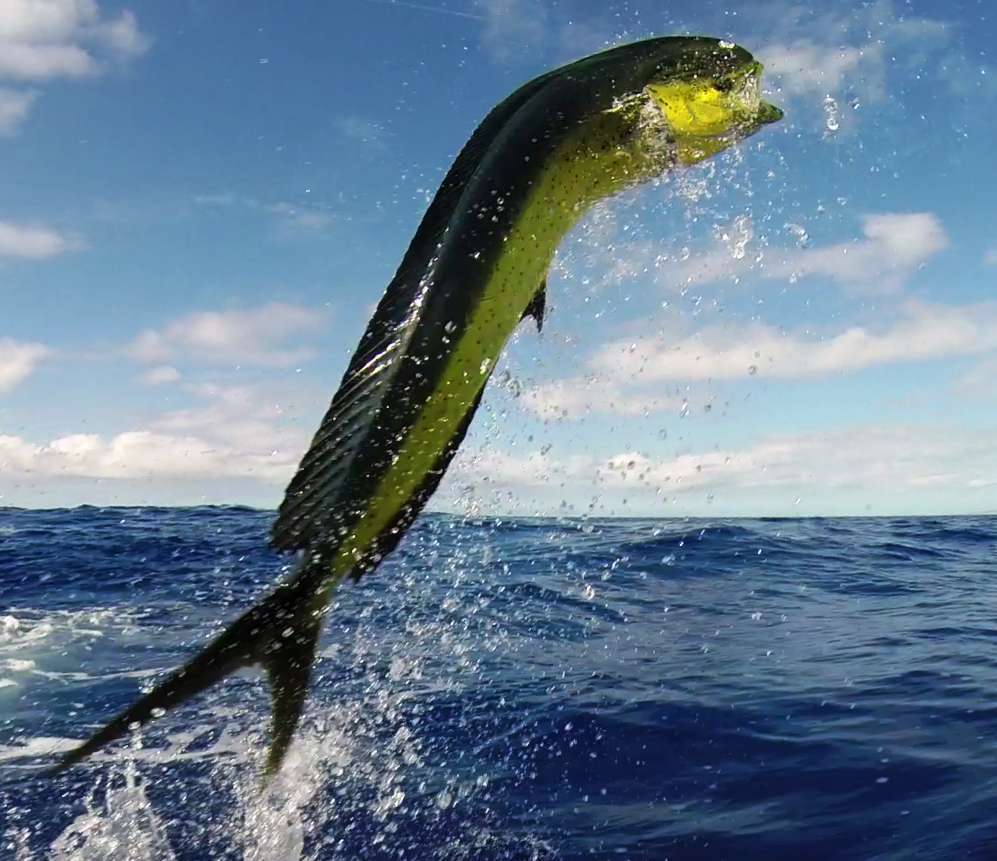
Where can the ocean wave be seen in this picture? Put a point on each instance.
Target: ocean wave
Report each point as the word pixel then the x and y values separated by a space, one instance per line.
pixel 519 689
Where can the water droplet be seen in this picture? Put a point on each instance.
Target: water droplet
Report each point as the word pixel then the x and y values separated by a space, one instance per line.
pixel 799 233
pixel 831 114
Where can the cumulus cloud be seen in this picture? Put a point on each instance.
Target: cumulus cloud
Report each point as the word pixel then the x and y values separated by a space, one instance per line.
pixel 653 374
pixel 924 331
pixel 235 432
pixel 818 51
pixel 848 464
pixel 161 375
pixel 33 242
pixel 44 40
pixel 14 108
pixel 254 336
pixel 805 66
pixel 871 457
pixel 362 130
pixel 307 218
pixel 138 454
pixel 979 381
pixel 18 360
pixel 290 217
pixel 574 397
pixel 893 246
pixel 511 26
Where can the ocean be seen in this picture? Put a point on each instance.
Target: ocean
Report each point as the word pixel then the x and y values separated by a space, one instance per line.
pixel 514 689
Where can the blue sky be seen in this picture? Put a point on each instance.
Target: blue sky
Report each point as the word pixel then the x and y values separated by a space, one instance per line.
pixel 200 203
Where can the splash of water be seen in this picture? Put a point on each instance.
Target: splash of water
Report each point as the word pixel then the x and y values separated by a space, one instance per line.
pixel 123 828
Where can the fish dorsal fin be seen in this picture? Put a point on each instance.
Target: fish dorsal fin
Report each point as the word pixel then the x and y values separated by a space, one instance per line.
pixel 537 308
pixel 317 502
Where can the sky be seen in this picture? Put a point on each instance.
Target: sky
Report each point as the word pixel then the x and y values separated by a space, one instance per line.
pixel 201 203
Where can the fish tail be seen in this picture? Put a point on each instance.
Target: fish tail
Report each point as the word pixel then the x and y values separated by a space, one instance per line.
pixel 280 633
pixel 289 669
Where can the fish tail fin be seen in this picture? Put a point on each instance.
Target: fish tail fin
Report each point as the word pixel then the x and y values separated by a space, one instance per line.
pixel 289 669
pixel 280 633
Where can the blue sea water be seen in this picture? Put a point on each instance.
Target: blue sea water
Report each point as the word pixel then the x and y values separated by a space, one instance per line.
pixel 515 689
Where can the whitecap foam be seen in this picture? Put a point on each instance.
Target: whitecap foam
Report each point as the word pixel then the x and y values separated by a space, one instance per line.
pixel 10 627
pixel 42 746
pixel 28 634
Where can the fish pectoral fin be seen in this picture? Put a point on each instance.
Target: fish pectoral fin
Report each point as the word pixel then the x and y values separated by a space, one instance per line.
pixel 280 633
pixel 538 306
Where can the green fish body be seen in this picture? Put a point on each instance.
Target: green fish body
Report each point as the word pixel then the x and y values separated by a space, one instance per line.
pixel 476 266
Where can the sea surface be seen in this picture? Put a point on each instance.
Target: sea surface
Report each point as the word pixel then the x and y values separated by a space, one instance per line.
pixel 515 689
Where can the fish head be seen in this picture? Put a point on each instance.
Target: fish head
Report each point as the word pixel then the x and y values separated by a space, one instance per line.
pixel 709 97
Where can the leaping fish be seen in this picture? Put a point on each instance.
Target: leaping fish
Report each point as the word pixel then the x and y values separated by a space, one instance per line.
pixel 475 268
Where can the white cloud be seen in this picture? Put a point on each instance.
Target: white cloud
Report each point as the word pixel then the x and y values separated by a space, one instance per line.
pixel 33 241
pixel 647 375
pixel 18 360
pixel 511 26
pixel 38 62
pixel 362 130
pixel 979 381
pixel 836 471
pixel 309 218
pixel 804 66
pixel 161 375
pixel 44 40
pixel 123 36
pixel 873 458
pixel 893 247
pixel 238 432
pixel 574 397
pixel 14 108
pixel 256 336
pixel 138 454
pixel 923 332
pixel 818 51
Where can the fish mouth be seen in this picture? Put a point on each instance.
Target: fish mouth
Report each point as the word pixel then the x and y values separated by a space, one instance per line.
pixel 725 107
pixel 761 113
pixel 704 114
pixel 768 113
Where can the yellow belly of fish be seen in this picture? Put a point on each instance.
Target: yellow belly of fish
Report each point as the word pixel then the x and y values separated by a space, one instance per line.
pixel 588 168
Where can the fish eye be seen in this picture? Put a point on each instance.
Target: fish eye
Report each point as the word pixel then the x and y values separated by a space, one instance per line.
pixel 724 85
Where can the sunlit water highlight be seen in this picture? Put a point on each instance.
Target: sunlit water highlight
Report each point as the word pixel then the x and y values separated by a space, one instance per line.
pixel 515 689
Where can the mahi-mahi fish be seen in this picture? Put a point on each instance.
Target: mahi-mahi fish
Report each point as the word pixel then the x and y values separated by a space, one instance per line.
pixel 475 268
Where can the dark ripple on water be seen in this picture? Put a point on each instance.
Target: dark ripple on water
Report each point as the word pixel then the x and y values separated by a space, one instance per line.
pixel 518 689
